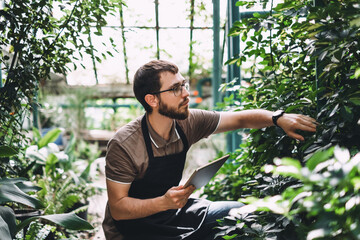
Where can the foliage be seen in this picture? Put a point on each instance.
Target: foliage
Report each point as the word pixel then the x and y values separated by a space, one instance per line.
pixel 64 178
pixel 35 41
pixel 304 60
pixel 14 194
pixel 325 206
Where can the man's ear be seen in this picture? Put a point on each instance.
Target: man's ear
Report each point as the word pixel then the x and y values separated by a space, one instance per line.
pixel 152 100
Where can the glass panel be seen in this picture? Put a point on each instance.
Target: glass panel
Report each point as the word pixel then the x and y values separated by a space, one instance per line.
pixel 139 13
pixel 174 45
pixel 174 13
pixel 140 47
pixel 203 16
pixel 110 70
pixel 203 51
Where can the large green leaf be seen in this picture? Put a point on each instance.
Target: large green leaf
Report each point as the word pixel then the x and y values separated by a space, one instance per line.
pixel 11 193
pixel 27 187
pixel 22 184
pixel 67 220
pixel 12 180
pixel 6 151
pixel 49 137
pixel 319 157
pixel 7 223
pixel 4 229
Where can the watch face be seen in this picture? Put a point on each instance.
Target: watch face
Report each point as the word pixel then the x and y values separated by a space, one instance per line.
pixel 277 112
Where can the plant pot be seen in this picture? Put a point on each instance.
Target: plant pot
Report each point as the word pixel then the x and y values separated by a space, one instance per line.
pixel 23 214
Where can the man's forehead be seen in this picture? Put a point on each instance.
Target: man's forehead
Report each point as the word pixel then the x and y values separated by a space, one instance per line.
pixel 169 79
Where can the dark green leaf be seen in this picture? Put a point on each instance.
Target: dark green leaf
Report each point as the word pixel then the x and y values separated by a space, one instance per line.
pixel 27 187
pixel 355 101
pixel 11 193
pixel 7 223
pixel 67 220
pixel 6 151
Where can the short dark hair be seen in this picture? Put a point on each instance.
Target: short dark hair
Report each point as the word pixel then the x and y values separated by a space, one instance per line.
pixel 147 79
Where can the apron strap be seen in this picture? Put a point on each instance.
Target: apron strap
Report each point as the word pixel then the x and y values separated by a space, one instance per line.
pixel 146 135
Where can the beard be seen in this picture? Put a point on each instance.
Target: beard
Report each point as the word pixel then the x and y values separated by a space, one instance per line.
pixel 179 113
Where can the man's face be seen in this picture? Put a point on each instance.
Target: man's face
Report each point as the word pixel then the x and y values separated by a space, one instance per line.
pixel 176 107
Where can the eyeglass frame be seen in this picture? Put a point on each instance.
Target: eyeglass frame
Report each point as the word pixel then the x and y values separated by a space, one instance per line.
pixel 185 85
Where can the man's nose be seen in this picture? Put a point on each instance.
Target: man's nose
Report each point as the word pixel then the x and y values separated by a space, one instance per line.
pixel 185 92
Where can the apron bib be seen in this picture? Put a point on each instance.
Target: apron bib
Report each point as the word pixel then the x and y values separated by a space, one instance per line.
pixel 162 174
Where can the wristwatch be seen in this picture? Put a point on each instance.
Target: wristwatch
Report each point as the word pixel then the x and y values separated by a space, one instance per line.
pixel 276 115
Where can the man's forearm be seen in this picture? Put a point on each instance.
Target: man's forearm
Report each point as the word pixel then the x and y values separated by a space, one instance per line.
pixel 257 118
pixel 132 208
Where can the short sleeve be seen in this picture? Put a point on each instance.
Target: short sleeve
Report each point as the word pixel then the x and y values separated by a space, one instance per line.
pixel 201 124
pixel 119 166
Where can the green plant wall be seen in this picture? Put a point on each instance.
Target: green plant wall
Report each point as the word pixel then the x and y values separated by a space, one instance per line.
pixel 304 59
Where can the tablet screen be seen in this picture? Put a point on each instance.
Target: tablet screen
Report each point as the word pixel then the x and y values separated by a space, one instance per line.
pixel 202 175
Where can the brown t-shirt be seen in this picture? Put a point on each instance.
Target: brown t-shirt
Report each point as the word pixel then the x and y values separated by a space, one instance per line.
pixel 126 157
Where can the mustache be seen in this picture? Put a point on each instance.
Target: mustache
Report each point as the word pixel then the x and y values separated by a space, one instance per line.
pixel 184 102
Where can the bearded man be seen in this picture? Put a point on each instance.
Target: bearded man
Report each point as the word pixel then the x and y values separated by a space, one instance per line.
pixel 145 159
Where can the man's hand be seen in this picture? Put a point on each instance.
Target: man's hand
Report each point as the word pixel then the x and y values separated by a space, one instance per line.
pixel 292 122
pixel 177 197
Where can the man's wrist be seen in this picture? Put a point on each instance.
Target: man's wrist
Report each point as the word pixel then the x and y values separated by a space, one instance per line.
pixel 276 115
pixel 162 203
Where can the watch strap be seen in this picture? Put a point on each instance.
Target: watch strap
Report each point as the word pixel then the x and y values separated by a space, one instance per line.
pixel 276 116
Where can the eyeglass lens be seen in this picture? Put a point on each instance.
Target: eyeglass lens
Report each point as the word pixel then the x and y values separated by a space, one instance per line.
pixel 178 90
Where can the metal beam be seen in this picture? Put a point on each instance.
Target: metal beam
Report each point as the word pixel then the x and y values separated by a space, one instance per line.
pixel 216 78
pixel 233 71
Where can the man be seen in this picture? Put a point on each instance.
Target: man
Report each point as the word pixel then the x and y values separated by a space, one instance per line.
pixel 145 159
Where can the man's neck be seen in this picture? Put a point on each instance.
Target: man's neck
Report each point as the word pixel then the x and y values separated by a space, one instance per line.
pixel 162 125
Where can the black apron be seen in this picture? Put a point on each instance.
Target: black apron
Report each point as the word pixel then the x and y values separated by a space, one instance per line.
pixel 162 174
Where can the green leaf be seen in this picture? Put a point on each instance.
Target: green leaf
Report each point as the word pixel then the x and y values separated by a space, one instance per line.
pixel 257 15
pixel 334 110
pixel 319 157
pixel 355 22
pixel 49 137
pixel 11 193
pixel 12 180
pixel 357 73
pixel 26 187
pixel 287 162
pixel 355 101
pixel 36 134
pixel 7 223
pixel 22 184
pixel 51 160
pixel 241 3
pixel 85 174
pixel 314 26
pixel 67 220
pixel 6 151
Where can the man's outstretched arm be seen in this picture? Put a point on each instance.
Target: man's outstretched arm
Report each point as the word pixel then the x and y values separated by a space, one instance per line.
pixel 259 118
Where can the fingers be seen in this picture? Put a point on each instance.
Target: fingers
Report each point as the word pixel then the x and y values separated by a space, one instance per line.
pixel 296 136
pixel 293 122
pixel 309 122
pixel 178 196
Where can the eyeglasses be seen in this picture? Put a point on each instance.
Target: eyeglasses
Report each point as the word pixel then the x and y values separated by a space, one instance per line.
pixel 177 90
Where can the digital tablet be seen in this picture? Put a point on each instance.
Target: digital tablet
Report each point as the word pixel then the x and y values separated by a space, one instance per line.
pixel 202 175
